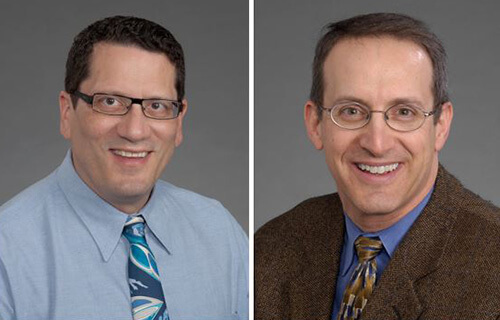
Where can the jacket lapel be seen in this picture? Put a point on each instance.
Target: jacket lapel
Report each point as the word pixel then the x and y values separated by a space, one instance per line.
pixel 312 292
pixel 418 255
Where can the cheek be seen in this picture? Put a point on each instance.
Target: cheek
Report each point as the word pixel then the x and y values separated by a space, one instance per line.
pixel 337 146
pixel 165 134
pixel 93 129
pixel 422 145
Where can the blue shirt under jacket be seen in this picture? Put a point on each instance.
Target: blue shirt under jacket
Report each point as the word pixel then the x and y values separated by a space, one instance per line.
pixel 390 238
pixel 62 254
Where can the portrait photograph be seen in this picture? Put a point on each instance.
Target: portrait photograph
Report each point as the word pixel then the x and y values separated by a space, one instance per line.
pixel 125 187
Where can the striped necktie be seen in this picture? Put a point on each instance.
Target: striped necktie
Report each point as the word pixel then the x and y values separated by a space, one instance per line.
pixel 148 302
pixel 363 279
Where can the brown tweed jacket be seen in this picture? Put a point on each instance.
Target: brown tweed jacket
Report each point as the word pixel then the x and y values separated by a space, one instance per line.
pixel 446 267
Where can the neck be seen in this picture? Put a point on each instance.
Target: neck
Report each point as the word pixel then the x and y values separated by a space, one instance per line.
pixel 129 207
pixel 375 222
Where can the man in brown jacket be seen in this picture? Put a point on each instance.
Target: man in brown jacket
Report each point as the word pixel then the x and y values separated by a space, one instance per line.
pixel 402 238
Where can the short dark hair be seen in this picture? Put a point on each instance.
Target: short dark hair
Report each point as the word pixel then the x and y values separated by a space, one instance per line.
pixel 394 25
pixel 124 30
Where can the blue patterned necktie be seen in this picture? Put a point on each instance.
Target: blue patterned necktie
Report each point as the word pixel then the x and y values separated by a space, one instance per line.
pixel 148 302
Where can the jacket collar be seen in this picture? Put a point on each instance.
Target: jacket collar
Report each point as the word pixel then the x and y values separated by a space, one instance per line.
pixel 419 254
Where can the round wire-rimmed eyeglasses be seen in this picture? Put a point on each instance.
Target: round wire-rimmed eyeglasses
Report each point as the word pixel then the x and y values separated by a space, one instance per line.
pixel 400 117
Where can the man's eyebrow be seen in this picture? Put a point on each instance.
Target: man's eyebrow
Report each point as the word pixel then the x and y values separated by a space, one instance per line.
pixel 161 98
pixel 401 100
pixel 111 92
pixel 119 93
pixel 349 98
pixel 409 100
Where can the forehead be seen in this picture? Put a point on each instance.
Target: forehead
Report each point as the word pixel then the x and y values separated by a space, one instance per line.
pixel 129 69
pixel 377 67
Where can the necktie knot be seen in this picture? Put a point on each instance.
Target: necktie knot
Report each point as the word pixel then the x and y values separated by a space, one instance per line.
pixel 134 229
pixel 367 248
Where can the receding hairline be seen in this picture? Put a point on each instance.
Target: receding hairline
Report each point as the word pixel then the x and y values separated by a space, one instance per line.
pixel 359 40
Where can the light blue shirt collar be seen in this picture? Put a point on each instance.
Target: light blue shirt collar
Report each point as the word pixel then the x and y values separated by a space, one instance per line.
pixel 104 222
pixel 390 237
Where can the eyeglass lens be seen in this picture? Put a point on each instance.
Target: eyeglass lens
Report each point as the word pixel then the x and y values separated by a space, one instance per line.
pixel 401 117
pixel 153 108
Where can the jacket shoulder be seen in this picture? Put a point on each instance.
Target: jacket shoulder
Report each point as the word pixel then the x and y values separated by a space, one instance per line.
pixel 473 213
pixel 305 217
pixel 295 243
pixel 469 266
pixel 476 231
pixel 286 244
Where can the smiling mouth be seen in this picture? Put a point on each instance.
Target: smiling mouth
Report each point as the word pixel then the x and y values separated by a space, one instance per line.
pixel 129 154
pixel 377 169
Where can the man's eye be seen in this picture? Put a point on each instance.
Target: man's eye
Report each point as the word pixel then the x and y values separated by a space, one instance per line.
pixel 109 101
pixel 405 112
pixel 157 106
pixel 351 111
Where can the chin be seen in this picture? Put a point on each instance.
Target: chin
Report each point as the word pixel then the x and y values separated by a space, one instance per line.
pixel 376 204
pixel 133 191
pixel 376 208
pixel 133 188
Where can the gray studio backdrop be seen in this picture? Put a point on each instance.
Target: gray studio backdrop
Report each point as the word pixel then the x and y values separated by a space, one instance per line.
pixel 288 169
pixel 35 39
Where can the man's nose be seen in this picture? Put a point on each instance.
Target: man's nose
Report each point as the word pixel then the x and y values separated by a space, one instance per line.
pixel 134 125
pixel 377 137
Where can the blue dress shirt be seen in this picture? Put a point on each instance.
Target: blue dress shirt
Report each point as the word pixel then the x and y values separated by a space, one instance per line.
pixel 390 238
pixel 62 254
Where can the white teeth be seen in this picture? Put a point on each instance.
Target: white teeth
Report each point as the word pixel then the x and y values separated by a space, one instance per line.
pixel 130 154
pixel 378 169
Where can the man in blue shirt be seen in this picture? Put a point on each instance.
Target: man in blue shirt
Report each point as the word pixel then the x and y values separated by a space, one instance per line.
pixel 402 238
pixel 102 237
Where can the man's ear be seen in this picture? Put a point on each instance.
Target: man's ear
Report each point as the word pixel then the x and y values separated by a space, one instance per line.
pixel 65 111
pixel 443 125
pixel 179 135
pixel 313 124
